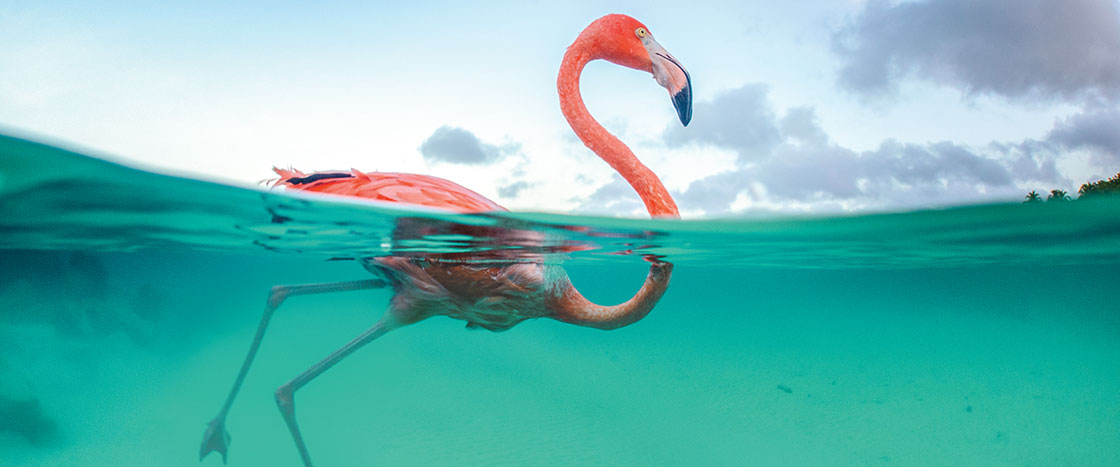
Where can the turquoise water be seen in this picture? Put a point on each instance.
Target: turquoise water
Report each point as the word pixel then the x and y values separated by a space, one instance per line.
pixel 978 335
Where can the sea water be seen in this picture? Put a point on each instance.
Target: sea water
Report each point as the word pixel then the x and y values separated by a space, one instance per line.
pixel 973 335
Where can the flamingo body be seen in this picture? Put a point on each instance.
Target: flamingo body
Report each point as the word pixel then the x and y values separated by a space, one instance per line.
pixel 391 187
pixel 485 295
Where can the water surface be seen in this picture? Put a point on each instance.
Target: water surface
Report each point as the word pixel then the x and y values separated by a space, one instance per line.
pixel 982 335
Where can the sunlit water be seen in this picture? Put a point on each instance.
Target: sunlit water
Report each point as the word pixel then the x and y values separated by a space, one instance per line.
pixel 984 335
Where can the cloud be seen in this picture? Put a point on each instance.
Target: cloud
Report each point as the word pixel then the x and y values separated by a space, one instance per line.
pixel 937 173
pixel 513 189
pixel 832 177
pixel 459 146
pixel 800 123
pixel 616 197
pixel 793 162
pixel 1095 130
pixel 1031 161
pixel 715 193
pixel 1018 49
pixel 753 132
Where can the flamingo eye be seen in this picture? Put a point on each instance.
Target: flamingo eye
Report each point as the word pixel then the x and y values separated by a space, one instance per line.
pixel 641 32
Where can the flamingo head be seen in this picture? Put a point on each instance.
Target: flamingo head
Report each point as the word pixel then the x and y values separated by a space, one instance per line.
pixel 625 41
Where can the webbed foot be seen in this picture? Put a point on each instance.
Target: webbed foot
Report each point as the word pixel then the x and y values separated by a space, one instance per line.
pixel 216 438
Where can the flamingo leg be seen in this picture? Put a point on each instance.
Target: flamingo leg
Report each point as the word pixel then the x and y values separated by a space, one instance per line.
pixel 286 392
pixel 216 438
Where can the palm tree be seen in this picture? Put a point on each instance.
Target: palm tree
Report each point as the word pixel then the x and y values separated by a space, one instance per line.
pixel 1101 187
pixel 1033 197
pixel 1057 195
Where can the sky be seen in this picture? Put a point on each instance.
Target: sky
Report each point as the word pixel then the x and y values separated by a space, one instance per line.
pixel 812 106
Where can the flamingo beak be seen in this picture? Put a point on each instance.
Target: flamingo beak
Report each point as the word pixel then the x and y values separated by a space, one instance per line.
pixel 672 76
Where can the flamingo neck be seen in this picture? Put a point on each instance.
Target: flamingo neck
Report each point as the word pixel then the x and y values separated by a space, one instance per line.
pixel 600 141
pixel 570 305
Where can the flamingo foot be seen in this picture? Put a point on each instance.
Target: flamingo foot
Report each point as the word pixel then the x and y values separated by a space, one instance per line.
pixel 216 438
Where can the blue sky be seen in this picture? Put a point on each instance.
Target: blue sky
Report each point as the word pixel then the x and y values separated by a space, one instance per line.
pixel 809 106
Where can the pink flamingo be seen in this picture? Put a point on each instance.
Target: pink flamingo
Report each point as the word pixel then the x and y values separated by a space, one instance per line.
pixel 495 297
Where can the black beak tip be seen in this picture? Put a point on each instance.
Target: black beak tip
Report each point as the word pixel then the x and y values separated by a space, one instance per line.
pixel 683 102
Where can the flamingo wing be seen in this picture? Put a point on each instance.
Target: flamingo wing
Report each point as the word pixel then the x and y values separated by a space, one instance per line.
pixel 390 187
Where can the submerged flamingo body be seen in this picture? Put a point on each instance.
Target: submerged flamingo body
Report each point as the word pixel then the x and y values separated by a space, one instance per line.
pixel 487 294
pixel 484 295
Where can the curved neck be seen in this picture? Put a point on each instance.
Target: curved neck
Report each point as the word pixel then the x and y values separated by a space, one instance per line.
pixel 570 305
pixel 601 142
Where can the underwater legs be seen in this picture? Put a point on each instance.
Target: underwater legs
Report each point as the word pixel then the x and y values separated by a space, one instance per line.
pixel 216 438
pixel 285 393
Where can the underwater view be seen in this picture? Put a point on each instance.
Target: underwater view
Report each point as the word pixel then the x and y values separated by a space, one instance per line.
pixel 870 232
pixel 973 335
